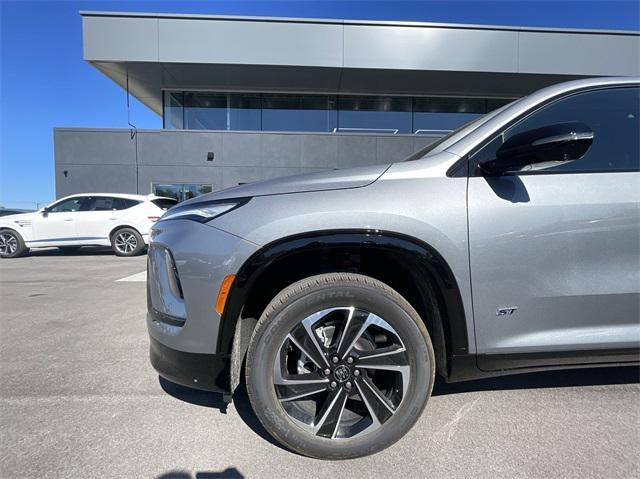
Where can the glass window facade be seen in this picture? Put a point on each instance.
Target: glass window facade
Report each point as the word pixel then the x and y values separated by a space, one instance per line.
pixel 180 191
pixel 321 113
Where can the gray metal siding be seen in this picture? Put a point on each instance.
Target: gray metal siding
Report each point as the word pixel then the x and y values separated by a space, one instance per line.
pixel 128 39
pixel 410 48
pixel 344 44
pixel 341 56
pixel 105 160
pixel 263 43
pixel 590 54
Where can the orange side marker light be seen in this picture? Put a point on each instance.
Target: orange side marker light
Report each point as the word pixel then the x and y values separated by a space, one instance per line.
pixel 225 287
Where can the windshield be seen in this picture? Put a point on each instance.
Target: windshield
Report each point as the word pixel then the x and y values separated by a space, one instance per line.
pixel 448 140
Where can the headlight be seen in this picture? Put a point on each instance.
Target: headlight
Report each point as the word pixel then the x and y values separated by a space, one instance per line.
pixel 202 212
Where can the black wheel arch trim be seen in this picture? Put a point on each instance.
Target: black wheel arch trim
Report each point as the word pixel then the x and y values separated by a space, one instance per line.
pixel 426 257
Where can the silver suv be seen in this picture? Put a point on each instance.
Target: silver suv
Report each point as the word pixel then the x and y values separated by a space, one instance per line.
pixel 511 245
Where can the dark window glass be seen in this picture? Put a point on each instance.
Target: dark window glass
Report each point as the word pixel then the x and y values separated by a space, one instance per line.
pixel 438 116
pixel 99 203
pixel 612 115
pixel 70 205
pixel 323 113
pixel 167 190
pixel 180 191
pixel 173 110
pixel 191 191
pixel 125 203
pixel 375 114
pixel 164 203
pixel 299 113
pixel 221 111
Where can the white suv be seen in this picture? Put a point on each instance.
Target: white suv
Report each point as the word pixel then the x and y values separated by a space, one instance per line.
pixel 98 219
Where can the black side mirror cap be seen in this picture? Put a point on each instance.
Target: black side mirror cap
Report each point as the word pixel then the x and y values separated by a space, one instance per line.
pixel 543 147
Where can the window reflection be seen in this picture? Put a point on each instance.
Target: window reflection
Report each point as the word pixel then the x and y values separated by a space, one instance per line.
pixel 173 110
pixel 382 114
pixel 299 112
pixel 181 191
pixel 322 113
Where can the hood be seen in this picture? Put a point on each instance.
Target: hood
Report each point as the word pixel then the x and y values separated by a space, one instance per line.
pixel 322 181
pixel 20 219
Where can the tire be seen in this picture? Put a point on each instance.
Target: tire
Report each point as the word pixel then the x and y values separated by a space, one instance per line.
pixel 11 244
pixel 127 242
pixel 313 417
pixel 69 249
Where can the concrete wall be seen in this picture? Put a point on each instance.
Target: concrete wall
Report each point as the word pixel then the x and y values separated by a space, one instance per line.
pixel 91 160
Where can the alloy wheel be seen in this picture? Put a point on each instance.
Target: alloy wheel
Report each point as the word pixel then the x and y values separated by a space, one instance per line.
pixel 126 242
pixel 341 373
pixel 8 244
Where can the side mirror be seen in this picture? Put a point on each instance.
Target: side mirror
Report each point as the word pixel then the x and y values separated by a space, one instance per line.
pixel 540 148
pixel 44 211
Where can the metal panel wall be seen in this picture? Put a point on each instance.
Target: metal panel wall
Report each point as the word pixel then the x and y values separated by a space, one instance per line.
pixel 120 39
pixel 589 54
pixel 262 54
pixel 414 48
pixel 253 43
pixel 112 161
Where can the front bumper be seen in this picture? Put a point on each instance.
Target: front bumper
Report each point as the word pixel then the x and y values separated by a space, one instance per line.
pixel 209 372
pixel 182 321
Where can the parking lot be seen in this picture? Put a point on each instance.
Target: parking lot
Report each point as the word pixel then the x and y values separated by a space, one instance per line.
pixel 79 399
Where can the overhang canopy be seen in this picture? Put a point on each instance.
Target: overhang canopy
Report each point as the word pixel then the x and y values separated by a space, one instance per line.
pixel 155 52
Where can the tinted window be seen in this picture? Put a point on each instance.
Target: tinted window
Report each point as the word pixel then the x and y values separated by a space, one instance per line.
pixel 173 110
pixel 99 203
pixel 222 111
pixel 375 114
pixel 180 191
pixel 124 203
pixel 72 204
pixel 327 113
pixel 613 116
pixel 299 113
pixel 164 203
pixel 441 115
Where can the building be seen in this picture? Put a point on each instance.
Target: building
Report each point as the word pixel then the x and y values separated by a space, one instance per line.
pixel 244 99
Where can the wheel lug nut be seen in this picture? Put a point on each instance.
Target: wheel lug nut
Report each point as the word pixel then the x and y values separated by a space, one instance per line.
pixel 327 372
pixel 350 360
pixel 335 359
pixel 348 385
pixel 333 384
pixel 356 373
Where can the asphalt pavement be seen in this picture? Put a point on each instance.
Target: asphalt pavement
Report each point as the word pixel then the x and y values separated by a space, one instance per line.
pixel 79 399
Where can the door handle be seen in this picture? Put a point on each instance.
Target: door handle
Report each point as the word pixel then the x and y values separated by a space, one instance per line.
pixel 68 219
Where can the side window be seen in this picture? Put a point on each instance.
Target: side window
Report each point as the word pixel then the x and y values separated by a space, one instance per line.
pixel 99 203
pixel 612 114
pixel 70 205
pixel 125 203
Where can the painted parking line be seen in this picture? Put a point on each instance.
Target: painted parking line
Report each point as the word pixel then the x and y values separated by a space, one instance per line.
pixel 134 278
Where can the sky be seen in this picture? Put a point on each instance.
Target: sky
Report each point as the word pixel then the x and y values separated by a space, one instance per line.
pixel 44 83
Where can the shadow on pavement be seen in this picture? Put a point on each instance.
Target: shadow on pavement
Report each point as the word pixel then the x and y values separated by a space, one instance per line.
pixel 214 400
pixel 83 251
pixel 228 473
pixel 548 379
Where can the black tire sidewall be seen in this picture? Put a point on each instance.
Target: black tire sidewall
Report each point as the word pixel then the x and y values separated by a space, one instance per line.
pixel 280 321
pixel 21 248
pixel 139 248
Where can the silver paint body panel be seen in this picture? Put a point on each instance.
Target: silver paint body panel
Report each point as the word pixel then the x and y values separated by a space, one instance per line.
pixel 564 249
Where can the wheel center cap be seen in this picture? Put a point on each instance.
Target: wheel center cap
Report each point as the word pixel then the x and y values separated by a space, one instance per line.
pixel 341 373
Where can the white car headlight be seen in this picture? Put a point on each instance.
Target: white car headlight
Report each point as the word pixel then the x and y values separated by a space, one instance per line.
pixel 201 212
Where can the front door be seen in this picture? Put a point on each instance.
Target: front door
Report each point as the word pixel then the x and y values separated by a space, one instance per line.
pixel 57 224
pixel 98 216
pixel 555 254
